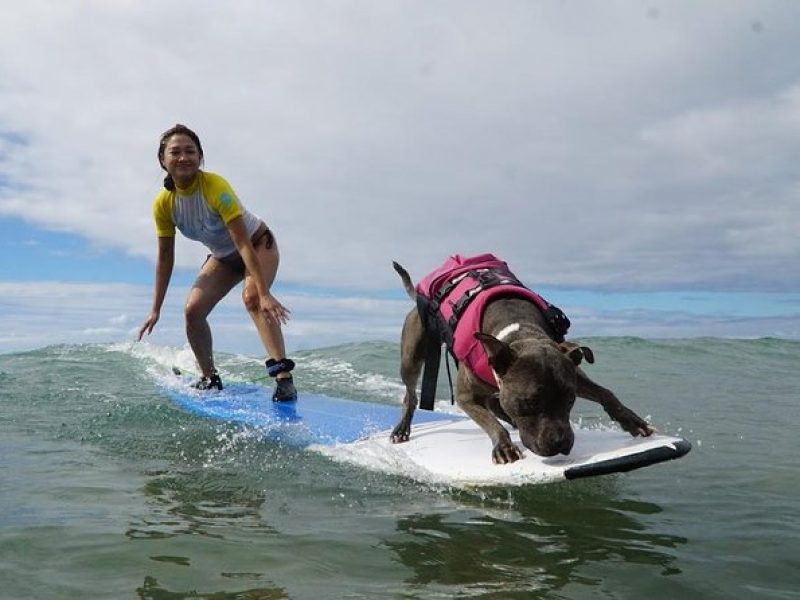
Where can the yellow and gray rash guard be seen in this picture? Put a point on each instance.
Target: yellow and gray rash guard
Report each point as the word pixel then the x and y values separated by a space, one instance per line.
pixel 201 212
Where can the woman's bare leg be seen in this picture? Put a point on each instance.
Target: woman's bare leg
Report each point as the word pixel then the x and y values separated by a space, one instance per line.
pixel 268 330
pixel 213 283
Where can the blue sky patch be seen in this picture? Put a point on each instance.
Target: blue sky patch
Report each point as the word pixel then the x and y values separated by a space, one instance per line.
pixel 42 255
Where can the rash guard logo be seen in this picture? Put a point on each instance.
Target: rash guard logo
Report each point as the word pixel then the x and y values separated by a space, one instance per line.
pixel 226 199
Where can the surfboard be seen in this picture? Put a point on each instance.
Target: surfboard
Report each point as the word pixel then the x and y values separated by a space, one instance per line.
pixel 459 452
pixel 444 447
pixel 313 419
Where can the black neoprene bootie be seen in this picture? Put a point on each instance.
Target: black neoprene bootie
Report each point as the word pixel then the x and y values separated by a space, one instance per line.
pixel 209 383
pixel 284 387
pixel 284 390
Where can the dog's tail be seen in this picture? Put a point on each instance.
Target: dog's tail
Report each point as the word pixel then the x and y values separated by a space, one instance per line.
pixel 407 283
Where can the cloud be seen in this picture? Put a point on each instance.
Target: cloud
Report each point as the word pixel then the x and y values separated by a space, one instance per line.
pixel 609 146
pixel 33 315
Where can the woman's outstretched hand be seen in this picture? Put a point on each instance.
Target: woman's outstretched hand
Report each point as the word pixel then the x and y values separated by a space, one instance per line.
pixel 147 326
pixel 273 309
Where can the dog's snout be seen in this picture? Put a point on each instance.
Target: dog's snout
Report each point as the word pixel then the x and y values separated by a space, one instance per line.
pixel 562 439
pixel 557 439
pixel 549 439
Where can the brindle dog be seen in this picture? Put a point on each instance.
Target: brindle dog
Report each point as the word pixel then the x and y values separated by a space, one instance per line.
pixel 538 380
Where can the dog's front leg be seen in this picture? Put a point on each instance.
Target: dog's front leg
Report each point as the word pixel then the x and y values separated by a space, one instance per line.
pixel 629 420
pixel 473 401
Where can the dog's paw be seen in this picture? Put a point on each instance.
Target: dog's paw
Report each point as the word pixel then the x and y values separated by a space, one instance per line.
pixel 400 435
pixel 633 423
pixel 504 453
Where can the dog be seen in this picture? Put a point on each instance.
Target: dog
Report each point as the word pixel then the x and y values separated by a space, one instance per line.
pixel 536 378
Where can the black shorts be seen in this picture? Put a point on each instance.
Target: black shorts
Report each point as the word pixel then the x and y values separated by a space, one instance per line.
pixel 234 261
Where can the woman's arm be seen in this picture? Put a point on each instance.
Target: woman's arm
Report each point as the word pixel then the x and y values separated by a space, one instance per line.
pixel 165 261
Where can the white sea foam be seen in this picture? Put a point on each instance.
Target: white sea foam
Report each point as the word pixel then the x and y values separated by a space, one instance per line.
pixel 377 457
pixel 340 373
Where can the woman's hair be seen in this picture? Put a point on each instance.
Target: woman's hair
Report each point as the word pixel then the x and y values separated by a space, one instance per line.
pixel 162 144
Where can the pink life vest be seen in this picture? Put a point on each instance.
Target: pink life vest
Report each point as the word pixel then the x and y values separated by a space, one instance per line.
pixel 456 291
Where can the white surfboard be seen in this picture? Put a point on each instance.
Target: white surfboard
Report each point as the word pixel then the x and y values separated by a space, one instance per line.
pixel 458 452
pixel 443 448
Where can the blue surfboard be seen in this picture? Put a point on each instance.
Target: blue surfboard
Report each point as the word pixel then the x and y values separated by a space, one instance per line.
pixel 312 419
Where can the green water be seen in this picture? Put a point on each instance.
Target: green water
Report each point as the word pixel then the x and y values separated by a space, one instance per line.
pixel 108 490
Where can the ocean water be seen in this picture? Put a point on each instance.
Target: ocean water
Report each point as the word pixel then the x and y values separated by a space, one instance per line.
pixel 109 490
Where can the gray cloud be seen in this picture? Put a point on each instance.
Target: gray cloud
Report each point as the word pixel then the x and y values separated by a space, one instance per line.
pixel 592 145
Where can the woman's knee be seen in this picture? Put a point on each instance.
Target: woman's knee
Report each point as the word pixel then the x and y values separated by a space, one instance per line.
pixel 250 298
pixel 194 311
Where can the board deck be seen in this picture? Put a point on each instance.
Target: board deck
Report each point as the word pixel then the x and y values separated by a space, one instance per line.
pixel 443 447
pixel 460 452
pixel 312 419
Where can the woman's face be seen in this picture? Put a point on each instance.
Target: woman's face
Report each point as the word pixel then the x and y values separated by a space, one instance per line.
pixel 181 159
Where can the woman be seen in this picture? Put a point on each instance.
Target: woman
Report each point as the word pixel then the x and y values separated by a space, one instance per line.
pixel 205 208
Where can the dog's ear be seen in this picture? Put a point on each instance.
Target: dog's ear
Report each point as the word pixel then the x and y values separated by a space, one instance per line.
pixel 500 354
pixel 588 354
pixel 577 353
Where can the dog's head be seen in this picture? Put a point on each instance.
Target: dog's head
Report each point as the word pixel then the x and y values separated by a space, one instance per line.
pixel 537 380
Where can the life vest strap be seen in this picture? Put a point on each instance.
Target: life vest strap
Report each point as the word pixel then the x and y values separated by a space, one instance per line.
pixel 486 278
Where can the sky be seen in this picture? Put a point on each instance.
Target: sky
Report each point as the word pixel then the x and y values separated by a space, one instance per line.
pixel 633 162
